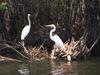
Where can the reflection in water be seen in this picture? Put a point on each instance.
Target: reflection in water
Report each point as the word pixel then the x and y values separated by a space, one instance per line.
pixel 46 67
pixel 23 70
pixel 63 68
pixel 56 68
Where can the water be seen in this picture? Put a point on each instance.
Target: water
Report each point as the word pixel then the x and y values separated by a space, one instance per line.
pixel 48 67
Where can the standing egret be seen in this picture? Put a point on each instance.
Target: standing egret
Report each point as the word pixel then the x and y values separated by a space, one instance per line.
pixel 26 30
pixel 57 40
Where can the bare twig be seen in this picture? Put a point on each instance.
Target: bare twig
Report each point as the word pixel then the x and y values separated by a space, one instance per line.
pixel 94 44
pixel 8 42
pixel 8 46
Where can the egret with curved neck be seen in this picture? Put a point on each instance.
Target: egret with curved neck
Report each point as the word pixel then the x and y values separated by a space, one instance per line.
pixel 58 42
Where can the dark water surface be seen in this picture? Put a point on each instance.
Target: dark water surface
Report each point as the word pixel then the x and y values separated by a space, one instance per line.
pixel 48 67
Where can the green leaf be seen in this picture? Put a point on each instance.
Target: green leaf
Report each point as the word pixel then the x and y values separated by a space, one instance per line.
pixel 3 7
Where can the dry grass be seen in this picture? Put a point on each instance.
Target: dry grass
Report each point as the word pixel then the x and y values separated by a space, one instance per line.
pixel 38 53
pixel 75 49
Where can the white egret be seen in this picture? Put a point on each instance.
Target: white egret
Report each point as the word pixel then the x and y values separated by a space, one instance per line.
pixel 57 40
pixel 26 31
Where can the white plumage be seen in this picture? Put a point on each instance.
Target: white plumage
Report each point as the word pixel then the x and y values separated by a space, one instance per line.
pixel 26 29
pixel 58 42
pixel 25 32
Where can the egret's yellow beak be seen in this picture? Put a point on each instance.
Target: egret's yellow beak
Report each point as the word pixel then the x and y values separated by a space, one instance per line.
pixel 48 26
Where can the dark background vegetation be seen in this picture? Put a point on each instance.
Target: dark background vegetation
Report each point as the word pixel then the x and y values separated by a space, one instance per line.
pixel 71 17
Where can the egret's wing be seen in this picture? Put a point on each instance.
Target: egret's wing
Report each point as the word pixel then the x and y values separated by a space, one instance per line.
pixel 58 41
pixel 25 32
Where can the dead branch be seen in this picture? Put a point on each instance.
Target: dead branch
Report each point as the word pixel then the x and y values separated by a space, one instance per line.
pixel 4 46
pixel 96 41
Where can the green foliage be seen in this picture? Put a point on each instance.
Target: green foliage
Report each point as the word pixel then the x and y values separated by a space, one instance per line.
pixel 3 7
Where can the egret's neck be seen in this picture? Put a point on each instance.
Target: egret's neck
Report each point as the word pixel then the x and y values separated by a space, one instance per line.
pixel 51 32
pixel 29 21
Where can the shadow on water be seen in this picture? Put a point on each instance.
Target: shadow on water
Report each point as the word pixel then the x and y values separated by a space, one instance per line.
pixel 49 67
